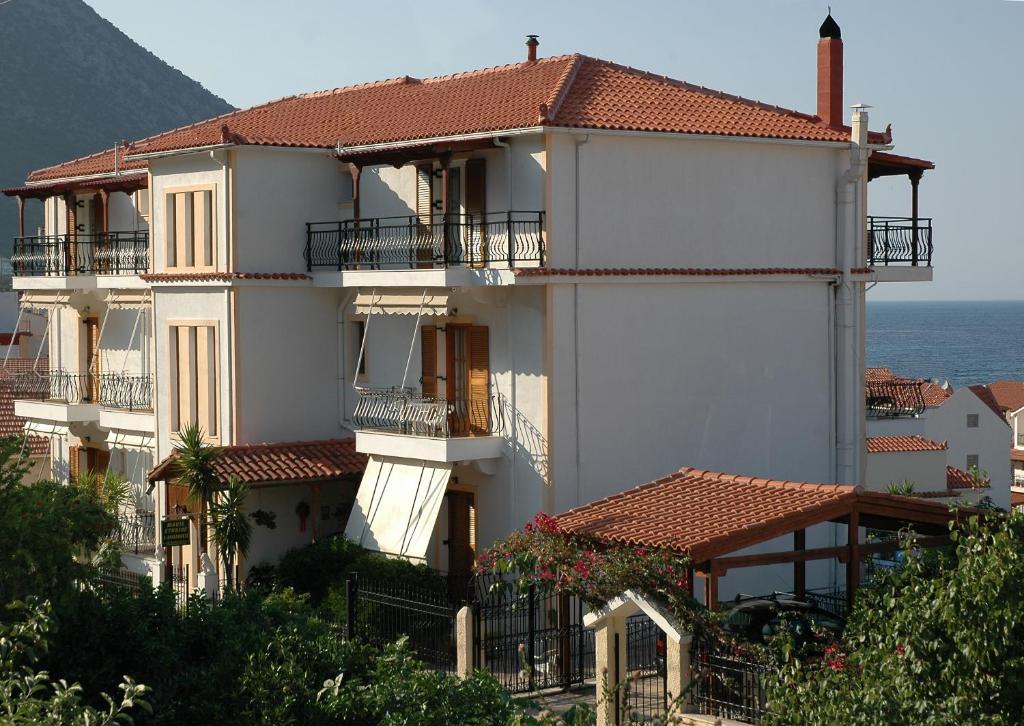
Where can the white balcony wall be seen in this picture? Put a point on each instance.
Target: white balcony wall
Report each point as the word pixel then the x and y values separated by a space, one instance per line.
pixel 287 385
pixel 925 469
pixel 187 171
pixel 277 191
pixel 122 215
pixel 659 202
pixel 54 217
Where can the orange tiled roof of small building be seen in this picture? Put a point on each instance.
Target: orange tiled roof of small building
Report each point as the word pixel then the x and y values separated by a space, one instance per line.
pixel 574 91
pixel 1008 395
pixel 1016 454
pixel 11 425
pixel 959 479
pixel 701 512
pixel 987 397
pixel 280 462
pixel 933 394
pixel 873 375
pixel 900 444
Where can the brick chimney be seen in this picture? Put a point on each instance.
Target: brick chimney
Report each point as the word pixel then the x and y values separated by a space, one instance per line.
pixel 531 47
pixel 830 73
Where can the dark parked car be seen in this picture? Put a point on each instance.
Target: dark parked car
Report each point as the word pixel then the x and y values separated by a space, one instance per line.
pixel 756 619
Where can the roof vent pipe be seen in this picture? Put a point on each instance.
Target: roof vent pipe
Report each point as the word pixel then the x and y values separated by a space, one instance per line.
pixel 531 47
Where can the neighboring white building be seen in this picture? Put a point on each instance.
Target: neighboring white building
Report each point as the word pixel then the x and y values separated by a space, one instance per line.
pixel 919 466
pixel 519 287
pixel 1006 398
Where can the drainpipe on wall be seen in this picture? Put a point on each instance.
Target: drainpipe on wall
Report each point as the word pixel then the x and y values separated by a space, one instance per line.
pixel 849 307
pixel 576 319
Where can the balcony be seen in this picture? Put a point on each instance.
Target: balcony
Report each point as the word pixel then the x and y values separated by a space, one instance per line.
pixel 900 241
pixel 59 395
pixel 502 240
pixel 127 393
pixel 401 422
pixel 109 253
pixel 135 532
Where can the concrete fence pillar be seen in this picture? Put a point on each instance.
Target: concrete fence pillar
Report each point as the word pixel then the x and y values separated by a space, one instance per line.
pixel 610 642
pixel 678 667
pixel 464 642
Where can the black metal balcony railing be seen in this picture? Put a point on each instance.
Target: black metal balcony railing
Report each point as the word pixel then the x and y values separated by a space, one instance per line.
pixel 109 253
pixel 136 532
pixel 505 239
pixel 114 390
pixel 900 241
pixel 404 411
pixel 131 393
pixel 893 399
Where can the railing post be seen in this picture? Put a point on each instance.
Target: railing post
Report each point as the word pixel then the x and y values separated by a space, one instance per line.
pixel 532 633
pixel 887 243
pixel 508 233
pixel 341 233
pixel 913 241
pixel 540 237
pixel 351 594
pixel 309 247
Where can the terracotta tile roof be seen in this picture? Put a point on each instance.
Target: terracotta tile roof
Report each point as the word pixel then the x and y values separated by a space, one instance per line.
pixel 1016 500
pixel 655 271
pixel 1008 395
pixel 13 366
pixel 706 513
pixel 934 394
pixel 900 444
pixel 573 91
pixel 221 276
pixel 107 179
pixel 11 425
pixel 878 374
pixel 1016 454
pixel 989 399
pixel 280 462
pixel 938 494
pixel 960 479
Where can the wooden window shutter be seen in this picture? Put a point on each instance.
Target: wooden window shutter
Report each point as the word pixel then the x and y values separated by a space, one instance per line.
pixel 428 360
pixel 476 210
pixel 101 462
pixel 479 380
pixel 424 192
pixel 97 214
pixel 73 464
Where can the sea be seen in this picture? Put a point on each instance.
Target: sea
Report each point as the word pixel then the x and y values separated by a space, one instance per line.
pixel 960 342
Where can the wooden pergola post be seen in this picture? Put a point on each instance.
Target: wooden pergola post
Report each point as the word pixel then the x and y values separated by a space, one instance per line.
pixel 711 587
pixel 356 171
pixel 915 179
pixel 21 216
pixel 800 566
pixel 853 556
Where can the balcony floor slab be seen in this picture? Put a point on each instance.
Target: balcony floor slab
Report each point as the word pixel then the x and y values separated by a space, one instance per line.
pixel 120 419
pixel 425 448
pixel 899 273
pixel 450 277
pixel 64 413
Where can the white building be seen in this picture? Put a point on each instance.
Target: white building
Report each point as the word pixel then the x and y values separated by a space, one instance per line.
pixel 523 288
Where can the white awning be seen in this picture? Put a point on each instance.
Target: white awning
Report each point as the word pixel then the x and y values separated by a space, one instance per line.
pixel 120 439
pixel 397 505
pixel 127 300
pixel 42 299
pixel 50 429
pixel 403 301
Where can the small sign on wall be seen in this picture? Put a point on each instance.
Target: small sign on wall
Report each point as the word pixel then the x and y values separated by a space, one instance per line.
pixel 175 532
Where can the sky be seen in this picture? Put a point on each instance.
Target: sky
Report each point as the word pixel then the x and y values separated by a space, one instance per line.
pixel 945 73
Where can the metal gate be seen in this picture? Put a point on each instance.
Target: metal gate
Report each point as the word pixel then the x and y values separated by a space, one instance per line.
pixel 531 640
pixel 646 690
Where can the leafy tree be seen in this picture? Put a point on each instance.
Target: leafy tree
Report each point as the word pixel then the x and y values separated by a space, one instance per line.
pixel 937 641
pixel 232 530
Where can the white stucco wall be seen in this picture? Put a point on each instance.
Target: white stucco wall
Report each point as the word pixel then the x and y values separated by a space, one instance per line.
pixel 926 469
pixel 186 171
pixel 659 202
pixel 122 216
pixel 991 440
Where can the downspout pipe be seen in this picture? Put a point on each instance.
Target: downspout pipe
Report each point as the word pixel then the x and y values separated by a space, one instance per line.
pixel 849 354
pixel 579 142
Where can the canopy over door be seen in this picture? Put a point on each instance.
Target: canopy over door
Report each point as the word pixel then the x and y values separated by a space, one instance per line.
pixel 402 301
pixel 397 505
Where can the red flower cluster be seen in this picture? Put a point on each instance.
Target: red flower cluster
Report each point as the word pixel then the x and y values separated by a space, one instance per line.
pixel 834 658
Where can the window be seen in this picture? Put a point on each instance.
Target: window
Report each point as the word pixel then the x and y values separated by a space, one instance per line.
pixel 972 420
pixel 358 332
pixel 191 228
pixel 972 460
pixel 1020 439
pixel 193 355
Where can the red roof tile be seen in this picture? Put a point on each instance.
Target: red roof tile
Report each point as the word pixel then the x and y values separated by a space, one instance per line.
pixel 1008 395
pixel 900 444
pixel 707 514
pixel 874 375
pixel 989 399
pixel 932 394
pixel 662 271
pixel 1016 454
pixel 221 276
pixel 1016 500
pixel 11 425
pixel 960 479
pixel 568 91
pixel 280 462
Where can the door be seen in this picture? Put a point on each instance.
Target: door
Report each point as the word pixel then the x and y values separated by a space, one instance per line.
pixel 91 384
pixel 454 220
pixel 476 213
pixel 468 373
pixel 461 532
pixel 97 461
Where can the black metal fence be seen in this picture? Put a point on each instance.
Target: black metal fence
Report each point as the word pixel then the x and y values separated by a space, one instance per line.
pixel 107 253
pixel 123 580
pixel 136 532
pixel 382 612
pixel 900 241
pixel 505 239
pixel 531 640
pixel 646 691
pixel 728 682
pixel 130 393
pixel 404 411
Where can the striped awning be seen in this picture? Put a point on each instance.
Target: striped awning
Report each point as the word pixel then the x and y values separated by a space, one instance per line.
pixel 402 301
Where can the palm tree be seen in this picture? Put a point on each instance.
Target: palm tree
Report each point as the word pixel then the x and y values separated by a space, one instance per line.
pixel 232 530
pixel 194 469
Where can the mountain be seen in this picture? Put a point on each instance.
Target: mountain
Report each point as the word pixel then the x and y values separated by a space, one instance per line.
pixel 72 84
